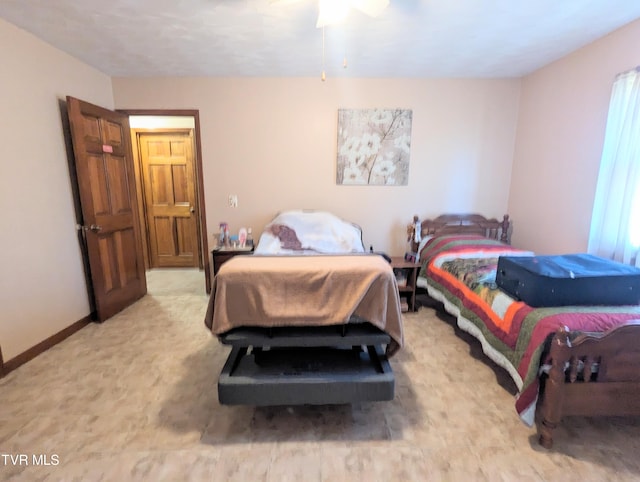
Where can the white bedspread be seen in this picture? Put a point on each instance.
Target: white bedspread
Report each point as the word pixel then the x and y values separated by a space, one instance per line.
pixel 309 232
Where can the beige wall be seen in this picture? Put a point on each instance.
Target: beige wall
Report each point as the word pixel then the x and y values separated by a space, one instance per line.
pixel 272 142
pixel 561 128
pixel 42 287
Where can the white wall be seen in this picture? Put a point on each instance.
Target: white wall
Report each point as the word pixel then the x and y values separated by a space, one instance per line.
pixel 273 143
pixel 563 114
pixel 42 286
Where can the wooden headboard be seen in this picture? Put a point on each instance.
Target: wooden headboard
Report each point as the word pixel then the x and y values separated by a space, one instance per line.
pixel 468 224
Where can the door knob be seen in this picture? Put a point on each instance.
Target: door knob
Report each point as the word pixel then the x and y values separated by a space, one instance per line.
pixel 192 209
pixel 94 227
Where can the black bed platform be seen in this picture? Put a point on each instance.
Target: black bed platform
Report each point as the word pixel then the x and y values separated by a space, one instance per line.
pixel 306 365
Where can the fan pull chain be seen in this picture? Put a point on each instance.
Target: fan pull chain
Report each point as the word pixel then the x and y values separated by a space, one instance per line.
pixel 323 77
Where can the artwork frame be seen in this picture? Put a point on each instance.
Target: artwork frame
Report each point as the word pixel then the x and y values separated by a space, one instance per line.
pixel 374 147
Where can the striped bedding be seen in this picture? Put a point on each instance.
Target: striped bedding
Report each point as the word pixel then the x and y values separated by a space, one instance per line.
pixel 460 271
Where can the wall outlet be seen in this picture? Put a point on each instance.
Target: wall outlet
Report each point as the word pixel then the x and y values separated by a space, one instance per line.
pixel 233 200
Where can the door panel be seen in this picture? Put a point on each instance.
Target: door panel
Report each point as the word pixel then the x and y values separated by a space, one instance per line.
pixel 118 182
pixel 164 244
pixel 186 237
pixel 104 168
pixel 98 184
pixel 170 200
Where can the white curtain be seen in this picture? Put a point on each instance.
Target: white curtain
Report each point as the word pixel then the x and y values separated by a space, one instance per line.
pixel 615 224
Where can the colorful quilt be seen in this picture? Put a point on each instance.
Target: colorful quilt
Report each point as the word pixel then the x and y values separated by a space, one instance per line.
pixel 460 271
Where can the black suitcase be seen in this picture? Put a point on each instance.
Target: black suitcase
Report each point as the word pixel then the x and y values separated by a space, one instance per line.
pixel 572 279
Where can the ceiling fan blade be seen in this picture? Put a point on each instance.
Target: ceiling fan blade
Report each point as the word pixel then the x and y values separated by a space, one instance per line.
pixel 373 8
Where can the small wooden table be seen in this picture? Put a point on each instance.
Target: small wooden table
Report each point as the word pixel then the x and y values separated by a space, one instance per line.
pixel 410 270
pixel 223 255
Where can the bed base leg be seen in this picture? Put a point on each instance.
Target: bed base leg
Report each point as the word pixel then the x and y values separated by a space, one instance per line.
pixel 374 357
pixel 552 397
pixel 234 358
pixel 256 351
pixel 546 429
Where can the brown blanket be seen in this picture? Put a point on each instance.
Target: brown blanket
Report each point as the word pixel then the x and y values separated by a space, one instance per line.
pixel 270 291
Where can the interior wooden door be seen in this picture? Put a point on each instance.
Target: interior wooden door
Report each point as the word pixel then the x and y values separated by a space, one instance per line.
pixel 104 168
pixel 170 198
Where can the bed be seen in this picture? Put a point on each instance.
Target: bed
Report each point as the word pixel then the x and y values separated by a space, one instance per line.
pixel 565 361
pixel 311 318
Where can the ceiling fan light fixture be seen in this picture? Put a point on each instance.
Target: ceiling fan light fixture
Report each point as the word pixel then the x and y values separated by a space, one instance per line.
pixel 373 8
pixel 331 12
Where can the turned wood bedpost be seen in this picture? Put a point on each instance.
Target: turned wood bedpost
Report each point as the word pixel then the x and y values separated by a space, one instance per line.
pixel 552 399
pixel 504 235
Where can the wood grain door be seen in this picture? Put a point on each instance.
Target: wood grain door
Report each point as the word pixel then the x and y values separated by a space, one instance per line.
pixel 104 168
pixel 170 199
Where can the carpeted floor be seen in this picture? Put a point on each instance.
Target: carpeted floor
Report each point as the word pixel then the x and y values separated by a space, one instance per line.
pixel 135 398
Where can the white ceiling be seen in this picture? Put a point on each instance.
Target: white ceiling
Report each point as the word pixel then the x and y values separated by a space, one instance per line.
pixel 412 38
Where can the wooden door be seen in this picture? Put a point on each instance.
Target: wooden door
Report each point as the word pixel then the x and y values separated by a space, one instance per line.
pixel 168 178
pixel 104 168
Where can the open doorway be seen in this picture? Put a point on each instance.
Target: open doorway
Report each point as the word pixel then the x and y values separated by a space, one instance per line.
pixel 168 169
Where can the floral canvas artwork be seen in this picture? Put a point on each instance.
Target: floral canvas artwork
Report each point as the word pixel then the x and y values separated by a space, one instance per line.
pixel 374 146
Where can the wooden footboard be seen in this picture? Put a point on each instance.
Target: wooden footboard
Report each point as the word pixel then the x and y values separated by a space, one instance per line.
pixel 591 374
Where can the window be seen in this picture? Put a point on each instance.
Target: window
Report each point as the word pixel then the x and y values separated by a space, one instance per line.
pixel 615 223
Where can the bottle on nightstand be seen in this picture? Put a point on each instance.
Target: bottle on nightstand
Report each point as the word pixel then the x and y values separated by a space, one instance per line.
pixel 249 238
pixel 221 236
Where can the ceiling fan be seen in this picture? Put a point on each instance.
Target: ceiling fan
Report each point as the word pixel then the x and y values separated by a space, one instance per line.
pixel 334 11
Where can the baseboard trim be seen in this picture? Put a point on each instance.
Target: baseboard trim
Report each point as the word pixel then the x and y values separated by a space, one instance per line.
pixel 34 351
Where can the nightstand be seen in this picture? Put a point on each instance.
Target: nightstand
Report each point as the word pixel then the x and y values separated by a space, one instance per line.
pixel 406 273
pixel 222 255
